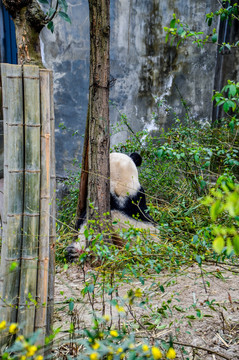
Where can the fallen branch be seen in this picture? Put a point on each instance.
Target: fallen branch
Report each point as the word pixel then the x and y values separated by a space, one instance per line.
pixel 204 349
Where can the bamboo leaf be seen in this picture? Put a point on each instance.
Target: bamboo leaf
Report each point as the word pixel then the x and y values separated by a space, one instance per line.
pixel 218 244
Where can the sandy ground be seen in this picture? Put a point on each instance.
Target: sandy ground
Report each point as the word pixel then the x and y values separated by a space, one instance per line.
pixel 216 330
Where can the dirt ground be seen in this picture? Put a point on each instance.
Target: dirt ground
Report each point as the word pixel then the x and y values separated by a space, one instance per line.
pixel 215 330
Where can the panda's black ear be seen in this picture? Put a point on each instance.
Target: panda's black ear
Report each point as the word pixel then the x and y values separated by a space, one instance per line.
pixel 137 159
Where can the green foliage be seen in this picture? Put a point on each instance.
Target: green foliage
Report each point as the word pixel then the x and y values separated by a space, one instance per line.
pixel 180 31
pixel 224 209
pixel 60 9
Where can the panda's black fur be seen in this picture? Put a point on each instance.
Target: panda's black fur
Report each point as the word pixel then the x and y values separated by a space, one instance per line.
pixel 127 197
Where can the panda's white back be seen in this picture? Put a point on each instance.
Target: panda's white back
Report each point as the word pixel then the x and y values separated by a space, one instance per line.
pixel 123 175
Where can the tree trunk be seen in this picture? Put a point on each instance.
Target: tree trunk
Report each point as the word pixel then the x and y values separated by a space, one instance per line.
pixel 95 170
pixel 29 20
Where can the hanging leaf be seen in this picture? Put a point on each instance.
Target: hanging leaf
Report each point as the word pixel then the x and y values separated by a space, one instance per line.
pixel 50 26
pixel 64 16
pixel 214 38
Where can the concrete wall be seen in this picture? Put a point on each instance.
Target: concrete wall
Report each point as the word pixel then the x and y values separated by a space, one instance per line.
pixel 142 64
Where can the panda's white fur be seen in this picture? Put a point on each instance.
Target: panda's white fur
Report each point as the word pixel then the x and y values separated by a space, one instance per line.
pixel 120 222
pixel 124 179
pixel 124 186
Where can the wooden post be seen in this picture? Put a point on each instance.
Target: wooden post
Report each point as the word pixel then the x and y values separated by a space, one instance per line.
pixel 13 188
pixel 28 280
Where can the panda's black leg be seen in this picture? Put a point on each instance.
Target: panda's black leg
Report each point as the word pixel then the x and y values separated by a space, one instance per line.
pixel 74 250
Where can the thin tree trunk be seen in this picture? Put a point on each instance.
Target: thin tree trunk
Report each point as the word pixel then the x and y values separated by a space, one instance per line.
pixel 97 139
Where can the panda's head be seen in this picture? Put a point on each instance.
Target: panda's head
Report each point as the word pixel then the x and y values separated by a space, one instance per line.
pixel 124 179
pixel 127 195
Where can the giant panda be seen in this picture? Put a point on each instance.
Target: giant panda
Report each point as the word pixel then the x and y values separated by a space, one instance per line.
pixel 127 201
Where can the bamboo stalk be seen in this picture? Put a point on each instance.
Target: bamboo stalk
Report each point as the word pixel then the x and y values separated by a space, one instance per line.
pixel 4 217
pixel 43 257
pixel 13 187
pixel 51 279
pixel 27 293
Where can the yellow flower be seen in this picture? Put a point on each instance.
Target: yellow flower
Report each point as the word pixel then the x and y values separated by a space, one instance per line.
pixel 3 325
pixel 106 317
pixel 120 350
pixel 156 353
pixel 131 346
pixel 119 308
pixel 39 357
pixel 94 356
pixel 23 357
pixel 171 354
pixel 122 356
pixel 145 347
pixel 111 350
pixel 20 338
pixel 13 328
pixel 138 292
pixel 31 350
pixel 95 346
pixel 114 333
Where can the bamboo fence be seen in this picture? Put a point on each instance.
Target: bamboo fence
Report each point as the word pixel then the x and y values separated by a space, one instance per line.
pixel 27 255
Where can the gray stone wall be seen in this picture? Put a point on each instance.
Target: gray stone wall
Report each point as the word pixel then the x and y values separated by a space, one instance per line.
pixel 141 63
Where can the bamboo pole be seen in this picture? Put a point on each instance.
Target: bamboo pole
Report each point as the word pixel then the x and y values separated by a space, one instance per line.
pixel 4 218
pixel 43 257
pixel 27 293
pixel 13 191
pixel 51 278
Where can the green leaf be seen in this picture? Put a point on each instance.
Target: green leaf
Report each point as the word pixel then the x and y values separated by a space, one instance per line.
pixel 160 153
pixel 232 90
pixel 43 1
pixel 13 266
pixel 50 26
pixel 166 38
pixel 50 13
pixel 215 209
pixel 236 244
pixel 209 21
pixel 192 317
pixel 71 305
pixel 229 104
pixel 64 16
pixel 229 247
pixel 172 23
pixel 196 157
pixel 199 259
pixel 63 4
pixel 214 38
pixel 218 244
